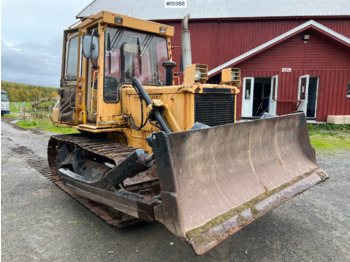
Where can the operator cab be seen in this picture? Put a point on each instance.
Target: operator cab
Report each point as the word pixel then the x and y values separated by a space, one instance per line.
pixel 124 53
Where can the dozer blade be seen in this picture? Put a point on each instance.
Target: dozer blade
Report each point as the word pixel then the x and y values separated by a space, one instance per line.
pixel 217 180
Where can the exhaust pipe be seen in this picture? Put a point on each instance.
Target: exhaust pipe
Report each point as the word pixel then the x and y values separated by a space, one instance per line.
pixel 186 43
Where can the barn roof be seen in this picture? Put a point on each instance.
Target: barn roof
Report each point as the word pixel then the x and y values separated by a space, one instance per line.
pixel 310 24
pixel 208 9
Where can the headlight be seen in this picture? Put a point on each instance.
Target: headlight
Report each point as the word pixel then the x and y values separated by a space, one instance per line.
pixel 195 73
pixel 231 76
pixel 197 76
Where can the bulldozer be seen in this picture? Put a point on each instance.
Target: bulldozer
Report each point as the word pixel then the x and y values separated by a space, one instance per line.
pixel 154 146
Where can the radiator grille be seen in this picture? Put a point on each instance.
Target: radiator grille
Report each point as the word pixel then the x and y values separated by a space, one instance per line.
pixel 214 109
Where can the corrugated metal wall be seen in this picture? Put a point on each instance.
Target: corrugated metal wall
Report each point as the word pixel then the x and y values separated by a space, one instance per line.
pixel 216 42
pixel 332 91
pixel 320 57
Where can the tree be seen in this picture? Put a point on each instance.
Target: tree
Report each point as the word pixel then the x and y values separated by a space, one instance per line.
pixel 21 96
pixel 37 94
pixel 28 94
pixel 54 94
pixel 4 85
pixel 12 94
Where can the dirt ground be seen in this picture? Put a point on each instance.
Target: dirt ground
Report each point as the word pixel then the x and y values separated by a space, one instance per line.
pixel 39 222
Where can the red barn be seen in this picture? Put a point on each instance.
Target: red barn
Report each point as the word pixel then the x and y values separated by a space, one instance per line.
pixel 293 55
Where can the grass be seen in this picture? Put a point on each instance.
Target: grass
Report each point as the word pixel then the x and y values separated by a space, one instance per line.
pixel 15 107
pixel 46 125
pixel 329 138
pixel 12 115
pixel 42 124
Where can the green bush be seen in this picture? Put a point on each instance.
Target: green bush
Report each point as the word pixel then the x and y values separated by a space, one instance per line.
pixel 329 127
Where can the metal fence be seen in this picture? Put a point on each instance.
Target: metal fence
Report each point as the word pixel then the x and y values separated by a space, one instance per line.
pixel 34 113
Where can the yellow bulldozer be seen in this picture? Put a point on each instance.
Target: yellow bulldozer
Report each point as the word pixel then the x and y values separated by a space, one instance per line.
pixel 154 147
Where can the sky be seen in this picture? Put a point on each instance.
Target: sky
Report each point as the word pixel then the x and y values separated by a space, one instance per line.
pixel 31 39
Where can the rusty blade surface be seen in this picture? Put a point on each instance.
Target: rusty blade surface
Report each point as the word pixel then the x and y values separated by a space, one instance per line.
pixel 215 181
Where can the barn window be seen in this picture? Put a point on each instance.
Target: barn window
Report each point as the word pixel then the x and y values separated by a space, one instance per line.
pixel 348 96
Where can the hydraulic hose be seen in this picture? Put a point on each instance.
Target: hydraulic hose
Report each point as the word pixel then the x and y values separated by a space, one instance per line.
pixel 157 115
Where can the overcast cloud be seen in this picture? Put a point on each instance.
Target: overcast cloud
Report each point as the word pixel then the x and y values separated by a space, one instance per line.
pixel 31 39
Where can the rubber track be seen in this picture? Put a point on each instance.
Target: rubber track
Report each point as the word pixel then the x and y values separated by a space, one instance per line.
pixel 101 147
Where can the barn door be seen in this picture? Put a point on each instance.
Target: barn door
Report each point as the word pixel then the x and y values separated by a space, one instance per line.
pixel 247 97
pixel 273 95
pixel 303 90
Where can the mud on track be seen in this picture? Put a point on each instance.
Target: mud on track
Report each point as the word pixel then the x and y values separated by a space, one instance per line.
pixel 42 223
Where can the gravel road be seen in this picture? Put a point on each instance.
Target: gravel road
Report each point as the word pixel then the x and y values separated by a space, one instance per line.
pixel 42 223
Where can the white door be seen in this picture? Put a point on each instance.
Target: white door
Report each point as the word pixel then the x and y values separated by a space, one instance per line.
pixel 273 95
pixel 303 90
pixel 247 96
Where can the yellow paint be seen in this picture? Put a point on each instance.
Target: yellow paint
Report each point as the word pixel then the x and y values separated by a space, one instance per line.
pixel 93 114
pixel 231 76
pixel 195 73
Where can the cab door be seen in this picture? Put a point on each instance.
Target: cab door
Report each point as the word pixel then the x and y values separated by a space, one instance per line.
pixel 69 76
